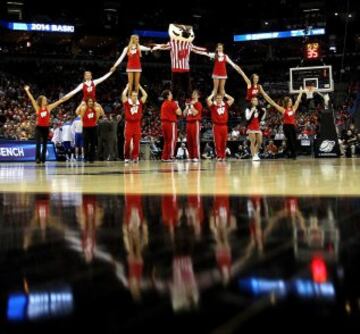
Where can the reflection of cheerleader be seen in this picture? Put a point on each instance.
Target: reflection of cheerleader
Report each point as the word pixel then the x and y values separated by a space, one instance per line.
pixel 195 213
pixel 256 232
pixel 254 115
pixel 222 223
pixel 135 234
pixel 133 68
pixel 184 289
pixel 89 217
pixel 40 220
pixel 219 72
pixel 170 212
pixel 89 228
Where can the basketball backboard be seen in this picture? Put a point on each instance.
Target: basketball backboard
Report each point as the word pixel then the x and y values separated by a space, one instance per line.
pixel 319 77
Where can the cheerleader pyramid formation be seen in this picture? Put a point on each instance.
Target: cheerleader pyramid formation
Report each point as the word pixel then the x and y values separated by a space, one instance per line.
pixel 134 98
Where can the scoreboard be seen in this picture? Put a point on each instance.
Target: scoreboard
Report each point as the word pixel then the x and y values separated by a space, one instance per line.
pixel 312 51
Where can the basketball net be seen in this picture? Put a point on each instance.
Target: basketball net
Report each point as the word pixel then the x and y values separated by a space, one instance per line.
pixel 309 90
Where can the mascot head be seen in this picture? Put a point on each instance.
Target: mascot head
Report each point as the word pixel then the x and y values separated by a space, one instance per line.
pixel 181 32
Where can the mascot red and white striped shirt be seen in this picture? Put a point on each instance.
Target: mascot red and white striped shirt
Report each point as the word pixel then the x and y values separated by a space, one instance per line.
pixel 180 54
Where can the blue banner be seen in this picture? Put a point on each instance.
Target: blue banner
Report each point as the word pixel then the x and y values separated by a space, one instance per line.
pixel 44 27
pixel 279 34
pixel 151 33
pixel 17 151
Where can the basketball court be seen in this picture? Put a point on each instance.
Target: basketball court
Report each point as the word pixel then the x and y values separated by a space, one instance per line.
pixel 303 177
pixel 144 190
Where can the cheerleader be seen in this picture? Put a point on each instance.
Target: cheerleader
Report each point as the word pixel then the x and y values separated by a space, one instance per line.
pixel 133 107
pixel 220 115
pixel 90 114
pixel 169 113
pixel 289 111
pixel 219 74
pixel 192 113
pixel 133 68
pixel 254 115
pixel 88 88
pixel 42 110
pixel 252 84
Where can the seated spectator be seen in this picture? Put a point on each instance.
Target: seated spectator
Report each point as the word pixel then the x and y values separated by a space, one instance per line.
pixel 56 135
pixel 208 152
pixel 282 149
pixel 357 145
pixel 235 133
pixel 348 142
pixel 271 150
pixel 154 149
pixel 182 152
pixel 228 152
pixel 280 134
pixel 303 136
pixel 243 152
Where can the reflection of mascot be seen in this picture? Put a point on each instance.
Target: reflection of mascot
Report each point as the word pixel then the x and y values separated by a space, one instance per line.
pixel 180 46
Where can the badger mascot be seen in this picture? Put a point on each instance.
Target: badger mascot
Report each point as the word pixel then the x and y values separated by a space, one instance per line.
pixel 180 46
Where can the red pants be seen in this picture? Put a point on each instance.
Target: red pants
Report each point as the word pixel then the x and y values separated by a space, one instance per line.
pixel 193 139
pixel 169 131
pixel 132 133
pixel 220 132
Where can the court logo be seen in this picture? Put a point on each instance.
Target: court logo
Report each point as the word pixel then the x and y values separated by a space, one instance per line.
pixel 327 146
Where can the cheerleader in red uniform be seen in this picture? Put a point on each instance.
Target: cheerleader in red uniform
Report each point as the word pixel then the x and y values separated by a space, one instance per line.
pixel 168 115
pixel 89 216
pixel 90 114
pixel 222 224
pixel 88 87
pixel 133 68
pixel 252 84
pixel 289 112
pixel 136 238
pixel 220 116
pixel 42 110
pixel 192 113
pixel 255 226
pixel 133 107
pixel 219 72
pixel 254 115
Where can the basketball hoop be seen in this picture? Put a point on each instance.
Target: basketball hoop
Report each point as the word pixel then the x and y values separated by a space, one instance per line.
pixel 309 90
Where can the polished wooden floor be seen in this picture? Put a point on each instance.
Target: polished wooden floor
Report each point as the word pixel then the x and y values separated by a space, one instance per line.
pixel 272 177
